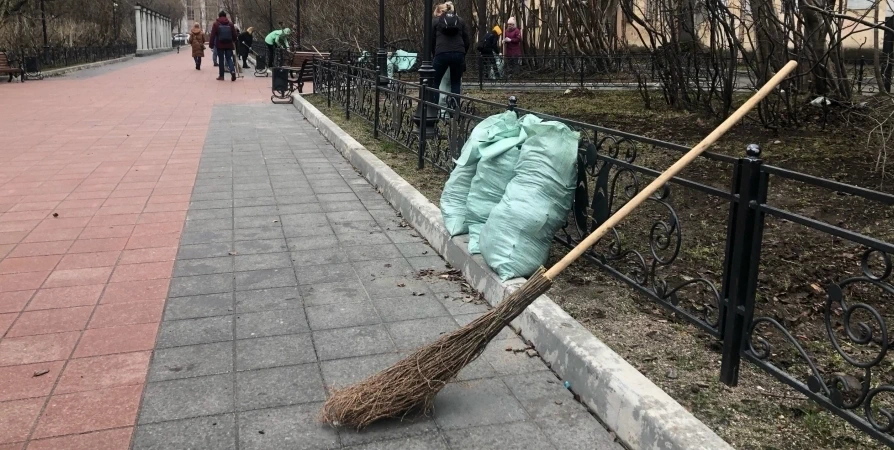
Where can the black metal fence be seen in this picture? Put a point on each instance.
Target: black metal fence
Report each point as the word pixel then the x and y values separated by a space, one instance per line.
pixel 57 57
pixel 725 303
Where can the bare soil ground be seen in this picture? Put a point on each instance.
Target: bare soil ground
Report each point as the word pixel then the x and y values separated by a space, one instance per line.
pixel 796 266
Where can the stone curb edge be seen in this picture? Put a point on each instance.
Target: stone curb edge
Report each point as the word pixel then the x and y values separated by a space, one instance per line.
pixel 640 413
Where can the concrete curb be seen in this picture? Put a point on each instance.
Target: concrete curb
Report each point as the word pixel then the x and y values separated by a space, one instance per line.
pixel 67 70
pixel 641 414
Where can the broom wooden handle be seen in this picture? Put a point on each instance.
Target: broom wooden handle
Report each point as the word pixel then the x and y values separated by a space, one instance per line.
pixel 672 171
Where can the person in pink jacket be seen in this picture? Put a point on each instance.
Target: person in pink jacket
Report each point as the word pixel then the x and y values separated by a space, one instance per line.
pixel 512 40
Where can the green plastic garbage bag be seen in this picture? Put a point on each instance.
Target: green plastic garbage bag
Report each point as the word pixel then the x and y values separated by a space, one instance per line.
pixel 516 238
pixel 400 61
pixel 495 170
pixel 453 198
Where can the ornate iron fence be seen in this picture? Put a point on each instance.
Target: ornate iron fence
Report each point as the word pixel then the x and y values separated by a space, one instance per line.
pixel 647 251
pixel 56 57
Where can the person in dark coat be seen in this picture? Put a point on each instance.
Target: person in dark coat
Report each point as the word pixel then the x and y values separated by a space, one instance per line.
pixel 223 38
pixel 513 42
pixel 246 38
pixel 451 43
pixel 197 42
pixel 488 49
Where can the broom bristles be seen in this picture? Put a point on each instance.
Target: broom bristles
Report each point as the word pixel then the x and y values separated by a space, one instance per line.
pixel 412 383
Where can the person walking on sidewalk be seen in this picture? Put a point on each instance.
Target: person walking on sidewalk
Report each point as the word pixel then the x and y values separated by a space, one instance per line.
pixel 245 40
pixel 276 38
pixel 223 38
pixel 197 42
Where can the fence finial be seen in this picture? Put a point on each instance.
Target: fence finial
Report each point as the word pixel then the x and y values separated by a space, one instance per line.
pixel 753 151
pixel 513 102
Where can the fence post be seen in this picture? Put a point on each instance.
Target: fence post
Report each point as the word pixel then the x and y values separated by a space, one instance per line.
pixel 423 124
pixel 379 80
pixel 860 75
pixel 742 261
pixel 513 103
pixel 480 71
pixel 329 80
pixel 348 94
pixel 582 63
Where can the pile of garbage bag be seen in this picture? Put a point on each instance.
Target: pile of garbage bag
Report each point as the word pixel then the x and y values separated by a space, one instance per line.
pixel 511 190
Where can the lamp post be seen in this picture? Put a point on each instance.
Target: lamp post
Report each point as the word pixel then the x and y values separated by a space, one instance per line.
pixel 426 116
pixel 115 19
pixel 298 24
pixel 382 55
pixel 43 21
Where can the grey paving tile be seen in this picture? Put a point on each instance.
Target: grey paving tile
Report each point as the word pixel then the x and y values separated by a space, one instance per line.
pixel 329 273
pixel 209 214
pixel 428 263
pixel 254 201
pixel 291 427
pixel 279 386
pixel 255 234
pixel 326 198
pixel 429 441
pixel 190 397
pixel 300 231
pixel 208 224
pixel 341 315
pixel 404 236
pixel 355 205
pixel 275 351
pixel 383 268
pixel 459 303
pixel 412 334
pixel 191 361
pixel 373 252
pixel 332 255
pixel 261 246
pixel 395 287
pixel 363 238
pixel 349 216
pixel 304 220
pixel 542 394
pixel 307 198
pixel 203 266
pixel 220 195
pixel 210 204
pixel 213 432
pixel 477 403
pixel 255 211
pixel 270 323
pixel 341 373
pixel 465 319
pixel 368 226
pixel 348 342
pixel 268 299
pixel 511 363
pixel 408 308
pixel 264 279
pixel 263 261
pixel 331 293
pixel 298 244
pixel 200 285
pixel 257 221
pixel 204 251
pixel 179 308
pixel 511 436
pixel 576 429
pixel 175 333
pixel 299 208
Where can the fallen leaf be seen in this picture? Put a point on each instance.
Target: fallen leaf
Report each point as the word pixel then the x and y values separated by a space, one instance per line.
pixel 41 373
pixel 401 285
pixel 55 214
pixel 232 253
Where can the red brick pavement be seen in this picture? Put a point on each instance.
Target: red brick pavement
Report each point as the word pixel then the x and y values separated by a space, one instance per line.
pixel 95 179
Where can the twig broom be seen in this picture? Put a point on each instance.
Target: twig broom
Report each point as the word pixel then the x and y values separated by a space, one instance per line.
pixel 412 383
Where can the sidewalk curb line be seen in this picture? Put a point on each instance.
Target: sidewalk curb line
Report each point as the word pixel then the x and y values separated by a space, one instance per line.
pixel 71 69
pixel 641 414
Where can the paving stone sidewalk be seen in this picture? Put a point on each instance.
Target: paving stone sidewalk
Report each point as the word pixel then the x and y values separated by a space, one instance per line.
pixel 295 277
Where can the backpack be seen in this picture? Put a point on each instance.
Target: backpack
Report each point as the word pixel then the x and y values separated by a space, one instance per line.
pixel 224 34
pixel 449 23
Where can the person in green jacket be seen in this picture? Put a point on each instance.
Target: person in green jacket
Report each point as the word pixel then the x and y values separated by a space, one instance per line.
pixel 276 38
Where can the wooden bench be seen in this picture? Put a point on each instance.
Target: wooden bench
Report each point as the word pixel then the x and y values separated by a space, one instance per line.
pixel 300 67
pixel 7 68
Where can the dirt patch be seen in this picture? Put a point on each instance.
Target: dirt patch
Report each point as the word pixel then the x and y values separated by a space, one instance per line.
pixel 796 266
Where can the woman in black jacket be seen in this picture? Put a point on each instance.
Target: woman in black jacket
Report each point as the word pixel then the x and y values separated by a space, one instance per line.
pixel 451 43
pixel 245 39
